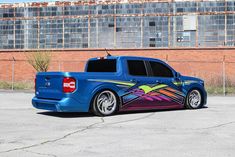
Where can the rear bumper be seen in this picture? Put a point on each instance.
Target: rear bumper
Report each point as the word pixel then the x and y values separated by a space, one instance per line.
pixel 63 105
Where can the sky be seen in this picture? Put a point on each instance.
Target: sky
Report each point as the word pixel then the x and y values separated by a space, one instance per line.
pixel 19 1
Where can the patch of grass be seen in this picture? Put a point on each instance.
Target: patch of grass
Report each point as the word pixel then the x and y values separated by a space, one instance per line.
pixel 5 85
pixel 21 85
pixel 230 90
pixel 213 90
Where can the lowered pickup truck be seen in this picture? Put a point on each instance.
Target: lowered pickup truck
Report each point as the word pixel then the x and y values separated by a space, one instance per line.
pixel 118 83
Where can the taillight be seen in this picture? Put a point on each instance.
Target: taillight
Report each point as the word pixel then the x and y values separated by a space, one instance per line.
pixel 69 85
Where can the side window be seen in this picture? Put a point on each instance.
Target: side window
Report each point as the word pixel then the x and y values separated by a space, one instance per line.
pixel 136 67
pixel 160 70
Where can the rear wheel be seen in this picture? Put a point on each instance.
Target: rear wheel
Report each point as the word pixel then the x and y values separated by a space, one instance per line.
pixel 194 99
pixel 105 103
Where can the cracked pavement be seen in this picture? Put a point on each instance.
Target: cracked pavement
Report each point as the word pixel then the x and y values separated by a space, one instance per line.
pixel 25 131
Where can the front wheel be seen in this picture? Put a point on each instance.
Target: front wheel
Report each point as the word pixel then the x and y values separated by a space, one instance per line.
pixel 194 99
pixel 105 103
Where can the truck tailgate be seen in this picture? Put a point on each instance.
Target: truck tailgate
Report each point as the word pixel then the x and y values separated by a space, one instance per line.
pixel 49 85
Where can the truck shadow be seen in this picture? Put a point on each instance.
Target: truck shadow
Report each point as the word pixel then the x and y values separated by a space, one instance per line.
pixel 155 110
pixel 82 114
pixel 66 114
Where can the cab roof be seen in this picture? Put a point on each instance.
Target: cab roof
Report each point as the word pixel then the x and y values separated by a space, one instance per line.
pixel 127 57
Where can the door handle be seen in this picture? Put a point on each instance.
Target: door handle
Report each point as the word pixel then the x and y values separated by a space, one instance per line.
pixel 134 81
pixel 158 81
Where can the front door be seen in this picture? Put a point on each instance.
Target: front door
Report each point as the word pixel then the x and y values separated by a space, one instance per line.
pixel 170 90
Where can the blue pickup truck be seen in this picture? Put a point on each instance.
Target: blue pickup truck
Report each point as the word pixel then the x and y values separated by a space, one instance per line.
pixel 118 83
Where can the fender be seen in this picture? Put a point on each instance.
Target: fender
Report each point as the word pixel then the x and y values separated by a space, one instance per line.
pixel 192 86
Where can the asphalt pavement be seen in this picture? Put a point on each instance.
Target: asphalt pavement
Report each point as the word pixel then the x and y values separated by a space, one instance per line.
pixel 28 132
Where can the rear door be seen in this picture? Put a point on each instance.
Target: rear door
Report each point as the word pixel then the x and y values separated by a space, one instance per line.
pixel 136 98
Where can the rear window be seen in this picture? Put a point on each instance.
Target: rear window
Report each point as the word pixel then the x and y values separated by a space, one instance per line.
pixel 136 68
pixel 102 65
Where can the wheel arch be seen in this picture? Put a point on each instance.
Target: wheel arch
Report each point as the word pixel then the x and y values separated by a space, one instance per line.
pixel 200 89
pixel 103 88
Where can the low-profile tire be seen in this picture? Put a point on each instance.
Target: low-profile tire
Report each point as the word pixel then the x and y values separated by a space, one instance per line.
pixel 194 99
pixel 105 103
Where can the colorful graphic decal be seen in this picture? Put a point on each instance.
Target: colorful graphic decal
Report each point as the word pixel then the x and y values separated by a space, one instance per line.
pixel 149 96
pixel 148 89
pixel 114 81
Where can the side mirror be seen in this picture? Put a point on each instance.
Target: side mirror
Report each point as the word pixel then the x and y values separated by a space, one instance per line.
pixel 177 75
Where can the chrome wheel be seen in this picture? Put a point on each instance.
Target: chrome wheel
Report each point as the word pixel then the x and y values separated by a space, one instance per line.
pixel 194 99
pixel 106 102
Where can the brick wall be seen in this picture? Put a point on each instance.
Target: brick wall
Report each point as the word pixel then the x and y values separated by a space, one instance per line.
pixel 206 63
